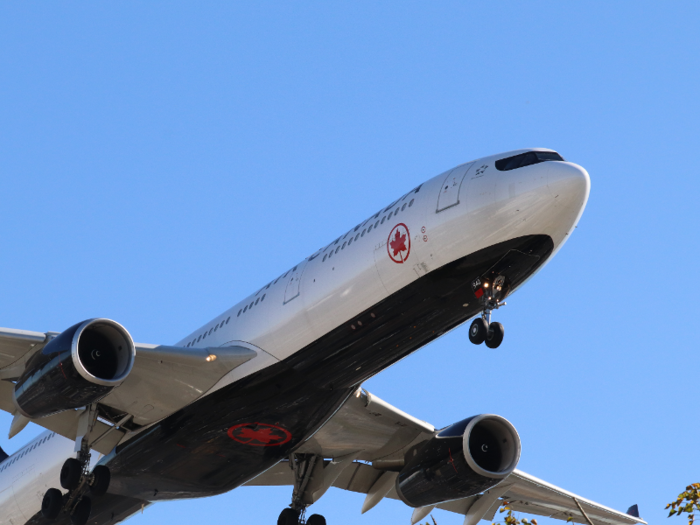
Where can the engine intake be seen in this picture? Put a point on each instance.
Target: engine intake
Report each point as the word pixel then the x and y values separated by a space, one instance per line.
pixel 462 460
pixel 78 367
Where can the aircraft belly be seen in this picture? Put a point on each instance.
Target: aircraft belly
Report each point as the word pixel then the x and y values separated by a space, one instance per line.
pixel 230 436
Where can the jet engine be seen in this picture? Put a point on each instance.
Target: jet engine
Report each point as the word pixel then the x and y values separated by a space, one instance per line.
pixel 78 367
pixel 462 460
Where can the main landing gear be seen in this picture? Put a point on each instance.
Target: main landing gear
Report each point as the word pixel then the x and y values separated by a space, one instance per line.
pixel 303 466
pixel 482 329
pixel 289 516
pixel 81 484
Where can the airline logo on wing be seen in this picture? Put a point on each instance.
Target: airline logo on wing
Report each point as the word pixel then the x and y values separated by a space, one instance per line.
pixel 399 244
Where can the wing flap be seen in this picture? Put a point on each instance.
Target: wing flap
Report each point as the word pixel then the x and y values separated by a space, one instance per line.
pixel 535 496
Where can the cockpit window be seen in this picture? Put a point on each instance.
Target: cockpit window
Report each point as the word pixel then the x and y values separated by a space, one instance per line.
pixel 525 159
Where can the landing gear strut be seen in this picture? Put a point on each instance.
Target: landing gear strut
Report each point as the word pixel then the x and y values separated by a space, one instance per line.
pixel 482 329
pixel 77 479
pixel 302 465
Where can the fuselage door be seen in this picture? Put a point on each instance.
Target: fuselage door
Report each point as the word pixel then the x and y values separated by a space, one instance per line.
pixel 449 191
pixel 294 282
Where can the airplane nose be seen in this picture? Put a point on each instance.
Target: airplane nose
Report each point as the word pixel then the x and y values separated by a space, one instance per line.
pixel 568 181
pixel 569 185
pixel 546 198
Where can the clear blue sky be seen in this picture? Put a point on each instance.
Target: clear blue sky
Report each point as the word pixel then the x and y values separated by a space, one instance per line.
pixel 160 161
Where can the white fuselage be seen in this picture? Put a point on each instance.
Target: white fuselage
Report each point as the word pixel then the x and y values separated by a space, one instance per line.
pixel 29 473
pixel 453 215
pixel 457 213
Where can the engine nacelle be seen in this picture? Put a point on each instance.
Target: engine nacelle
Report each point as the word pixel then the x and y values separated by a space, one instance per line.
pixel 463 460
pixel 78 367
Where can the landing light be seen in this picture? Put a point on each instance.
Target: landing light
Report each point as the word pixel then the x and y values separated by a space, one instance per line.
pixel 211 357
pixel 486 285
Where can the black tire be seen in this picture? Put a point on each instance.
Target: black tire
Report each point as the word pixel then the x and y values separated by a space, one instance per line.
pixel 70 474
pixel 316 519
pixel 478 331
pixel 100 482
pixel 81 512
pixel 288 516
pixel 51 504
pixel 494 337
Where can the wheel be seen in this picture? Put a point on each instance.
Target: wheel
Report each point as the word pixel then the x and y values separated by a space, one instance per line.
pixel 51 504
pixel 494 337
pixel 100 482
pixel 316 519
pixel 70 474
pixel 288 516
pixel 478 330
pixel 81 512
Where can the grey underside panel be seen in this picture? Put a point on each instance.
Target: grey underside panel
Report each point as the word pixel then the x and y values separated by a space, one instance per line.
pixel 107 510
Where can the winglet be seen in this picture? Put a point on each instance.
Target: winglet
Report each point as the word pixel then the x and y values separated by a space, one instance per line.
pixel 633 511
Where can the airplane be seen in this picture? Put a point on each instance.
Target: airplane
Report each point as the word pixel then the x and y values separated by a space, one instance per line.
pixel 270 391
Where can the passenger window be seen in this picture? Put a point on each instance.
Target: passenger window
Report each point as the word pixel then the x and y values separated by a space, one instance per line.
pixel 403 207
pixel 376 224
pixel 383 219
pixel 370 228
pixel 336 250
pixel 257 301
pixel 324 258
pixel 239 313
pixel 350 241
pixel 411 203
pixel 343 246
pixel 263 298
pixel 229 317
pixel 245 309
pixel 363 233
pixel 357 236
pixel 199 338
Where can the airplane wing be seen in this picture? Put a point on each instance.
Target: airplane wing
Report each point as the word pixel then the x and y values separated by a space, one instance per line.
pixel 374 435
pixel 163 380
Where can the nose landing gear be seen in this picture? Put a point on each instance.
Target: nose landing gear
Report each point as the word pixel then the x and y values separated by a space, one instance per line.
pixel 482 329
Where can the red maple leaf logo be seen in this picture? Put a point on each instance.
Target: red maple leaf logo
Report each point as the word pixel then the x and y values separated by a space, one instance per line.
pixel 398 244
pixel 263 435
pixel 259 434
